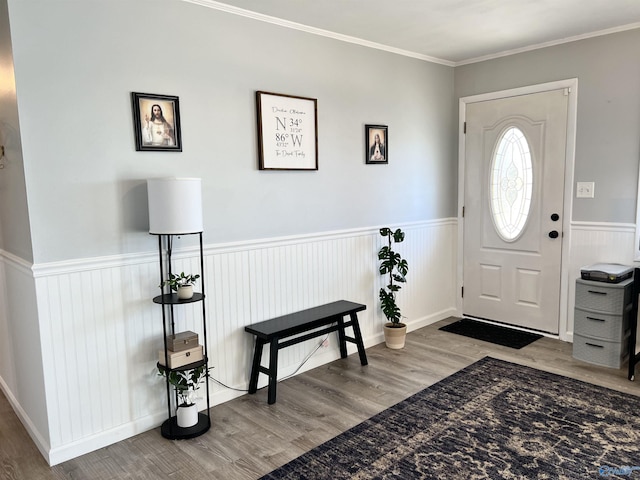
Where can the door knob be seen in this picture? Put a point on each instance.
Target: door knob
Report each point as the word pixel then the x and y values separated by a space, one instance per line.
pixel 555 217
pixel 553 234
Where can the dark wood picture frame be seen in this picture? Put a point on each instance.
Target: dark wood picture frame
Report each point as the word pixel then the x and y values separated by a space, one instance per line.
pixel 376 152
pixel 287 132
pixel 155 133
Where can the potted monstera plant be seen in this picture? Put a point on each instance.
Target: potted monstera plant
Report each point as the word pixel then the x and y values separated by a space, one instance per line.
pixel 182 284
pixel 186 384
pixel 396 267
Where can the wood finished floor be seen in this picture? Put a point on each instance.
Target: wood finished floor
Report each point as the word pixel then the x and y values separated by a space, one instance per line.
pixel 250 438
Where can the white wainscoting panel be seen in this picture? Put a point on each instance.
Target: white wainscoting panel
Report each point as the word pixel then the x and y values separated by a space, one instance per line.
pixel 7 370
pixel 594 242
pixel 21 361
pixel 101 332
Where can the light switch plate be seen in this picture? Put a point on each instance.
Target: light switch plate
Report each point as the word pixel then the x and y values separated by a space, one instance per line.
pixel 585 189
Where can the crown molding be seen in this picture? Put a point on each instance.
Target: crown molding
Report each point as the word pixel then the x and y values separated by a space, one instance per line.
pixel 316 31
pixel 553 43
pixel 398 51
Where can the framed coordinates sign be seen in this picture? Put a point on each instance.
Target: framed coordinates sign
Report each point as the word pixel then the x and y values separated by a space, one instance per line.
pixel 287 132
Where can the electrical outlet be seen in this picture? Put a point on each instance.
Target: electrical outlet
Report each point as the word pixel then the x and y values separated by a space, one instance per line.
pixel 585 189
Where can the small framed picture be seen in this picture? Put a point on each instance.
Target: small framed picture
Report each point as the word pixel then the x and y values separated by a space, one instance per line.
pixel 376 143
pixel 156 122
pixel 287 132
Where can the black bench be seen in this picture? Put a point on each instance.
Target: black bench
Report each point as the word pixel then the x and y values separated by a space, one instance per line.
pixel 275 330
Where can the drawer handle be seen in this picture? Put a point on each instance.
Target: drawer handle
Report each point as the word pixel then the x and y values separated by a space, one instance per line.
pixel 596 319
pixel 594 345
pixel 599 293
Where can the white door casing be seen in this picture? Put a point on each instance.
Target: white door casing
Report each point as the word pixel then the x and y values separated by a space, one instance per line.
pixel 519 281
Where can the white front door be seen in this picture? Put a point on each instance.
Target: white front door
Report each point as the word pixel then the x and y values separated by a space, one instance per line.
pixel 515 151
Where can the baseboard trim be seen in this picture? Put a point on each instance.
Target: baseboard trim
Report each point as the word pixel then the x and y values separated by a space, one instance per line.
pixel 430 319
pixel 104 439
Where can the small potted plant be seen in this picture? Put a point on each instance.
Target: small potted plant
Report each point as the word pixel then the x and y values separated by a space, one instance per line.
pixel 186 383
pixel 181 284
pixel 392 264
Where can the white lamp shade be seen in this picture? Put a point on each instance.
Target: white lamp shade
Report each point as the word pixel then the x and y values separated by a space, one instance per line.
pixel 175 205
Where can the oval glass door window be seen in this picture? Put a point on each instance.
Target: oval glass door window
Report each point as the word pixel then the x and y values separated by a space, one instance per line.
pixel 511 184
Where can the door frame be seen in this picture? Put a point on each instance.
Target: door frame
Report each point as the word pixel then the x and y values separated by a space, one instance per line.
pixel 572 85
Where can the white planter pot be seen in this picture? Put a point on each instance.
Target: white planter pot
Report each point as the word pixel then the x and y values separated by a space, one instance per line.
pixel 185 292
pixel 187 416
pixel 395 336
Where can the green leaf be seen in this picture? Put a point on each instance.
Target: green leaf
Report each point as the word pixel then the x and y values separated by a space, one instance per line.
pixel 399 278
pixel 386 266
pixel 403 267
pixel 389 307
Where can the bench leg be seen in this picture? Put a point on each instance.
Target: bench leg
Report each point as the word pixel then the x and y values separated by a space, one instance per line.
pixel 342 338
pixel 255 367
pixel 273 371
pixel 358 338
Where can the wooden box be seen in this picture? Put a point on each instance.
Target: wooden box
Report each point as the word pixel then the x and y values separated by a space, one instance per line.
pixel 182 358
pixel 182 341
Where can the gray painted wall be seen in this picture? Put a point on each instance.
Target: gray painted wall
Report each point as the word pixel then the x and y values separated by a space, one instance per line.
pixel 77 62
pixel 21 365
pixel 15 236
pixel 608 127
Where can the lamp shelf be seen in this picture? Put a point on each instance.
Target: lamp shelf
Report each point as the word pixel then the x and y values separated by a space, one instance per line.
pixel 171 430
pixel 183 368
pixel 172 299
pixel 170 325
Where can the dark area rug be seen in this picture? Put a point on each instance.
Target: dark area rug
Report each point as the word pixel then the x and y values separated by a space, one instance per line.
pixel 492 419
pixel 496 334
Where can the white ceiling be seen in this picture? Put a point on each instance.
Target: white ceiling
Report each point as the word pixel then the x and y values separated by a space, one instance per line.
pixel 452 32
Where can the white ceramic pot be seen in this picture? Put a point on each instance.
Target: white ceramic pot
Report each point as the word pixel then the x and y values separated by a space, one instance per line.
pixel 187 416
pixel 394 337
pixel 185 292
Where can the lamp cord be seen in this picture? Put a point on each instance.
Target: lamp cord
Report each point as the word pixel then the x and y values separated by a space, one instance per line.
pixel 306 359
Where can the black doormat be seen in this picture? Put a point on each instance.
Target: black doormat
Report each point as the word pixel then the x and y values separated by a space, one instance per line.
pixel 486 332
